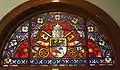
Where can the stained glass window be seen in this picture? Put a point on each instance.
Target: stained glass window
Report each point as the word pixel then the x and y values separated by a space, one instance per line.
pixel 57 39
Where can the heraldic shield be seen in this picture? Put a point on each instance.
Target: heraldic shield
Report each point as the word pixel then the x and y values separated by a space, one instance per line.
pixel 58 44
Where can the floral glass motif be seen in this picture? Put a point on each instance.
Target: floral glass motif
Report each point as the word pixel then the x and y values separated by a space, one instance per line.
pixel 57 39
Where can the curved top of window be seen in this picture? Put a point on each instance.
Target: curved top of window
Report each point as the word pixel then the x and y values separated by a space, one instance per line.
pixel 57 39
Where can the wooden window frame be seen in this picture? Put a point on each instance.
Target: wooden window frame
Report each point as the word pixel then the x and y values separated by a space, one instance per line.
pixel 79 7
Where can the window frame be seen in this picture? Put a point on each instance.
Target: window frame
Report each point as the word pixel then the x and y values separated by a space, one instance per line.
pixel 78 7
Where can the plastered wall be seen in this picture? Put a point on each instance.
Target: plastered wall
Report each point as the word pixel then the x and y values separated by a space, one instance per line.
pixel 111 7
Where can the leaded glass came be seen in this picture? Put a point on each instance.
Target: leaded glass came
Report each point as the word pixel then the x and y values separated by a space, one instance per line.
pixel 57 39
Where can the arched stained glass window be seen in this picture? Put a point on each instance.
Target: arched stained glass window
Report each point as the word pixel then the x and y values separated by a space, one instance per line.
pixel 57 39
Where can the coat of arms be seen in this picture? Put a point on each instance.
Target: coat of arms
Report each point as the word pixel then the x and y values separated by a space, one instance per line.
pixel 57 42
